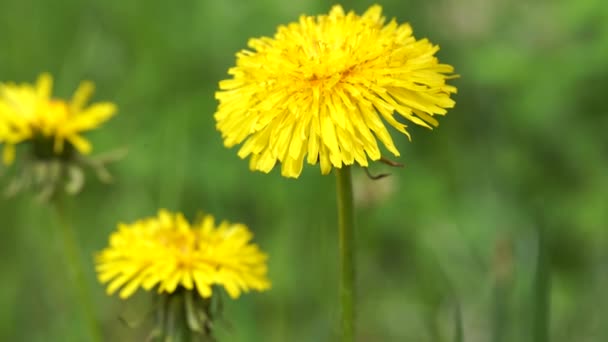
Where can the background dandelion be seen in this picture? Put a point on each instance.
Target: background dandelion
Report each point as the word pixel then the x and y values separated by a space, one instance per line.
pixel 528 126
pixel 51 129
pixel 188 265
pixel 30 113
pixel 167 252
pixel 49 133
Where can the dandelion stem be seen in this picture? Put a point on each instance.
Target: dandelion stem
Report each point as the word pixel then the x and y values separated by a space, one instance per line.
pixel 74 261
pixel 458 324
pixel 346 249
pixel 176 325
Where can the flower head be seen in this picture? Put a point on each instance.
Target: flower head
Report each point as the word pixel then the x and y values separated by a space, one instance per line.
pixel 321 88
pixel 54 126
pixel 168 252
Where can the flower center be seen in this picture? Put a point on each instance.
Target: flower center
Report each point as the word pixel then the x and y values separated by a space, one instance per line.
pixel 43 148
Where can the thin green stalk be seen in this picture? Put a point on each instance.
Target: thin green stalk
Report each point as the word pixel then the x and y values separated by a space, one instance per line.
pixel 183 316
pixel 176 327
pixel 74 261
pixel 347 251
pixel 542 289
pixel 458 324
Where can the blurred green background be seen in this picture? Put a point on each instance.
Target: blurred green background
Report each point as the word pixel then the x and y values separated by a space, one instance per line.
pixel 450 242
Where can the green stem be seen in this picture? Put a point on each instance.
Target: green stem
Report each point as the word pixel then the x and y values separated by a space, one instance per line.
pixel 347 249
pixel 458 324
pixel 176 326
pixel 75 263
pixel 542 289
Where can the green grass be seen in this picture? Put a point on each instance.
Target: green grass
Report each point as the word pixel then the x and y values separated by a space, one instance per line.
pixel 528 128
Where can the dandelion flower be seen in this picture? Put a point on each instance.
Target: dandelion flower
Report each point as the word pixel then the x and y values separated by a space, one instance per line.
pixel 325 87
pixel 169 253
pixel 29 113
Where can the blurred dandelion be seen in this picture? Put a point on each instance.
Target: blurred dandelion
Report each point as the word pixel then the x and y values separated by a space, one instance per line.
pixel 52 130
pixel 325 88
pixel 183 262
pixel 28 113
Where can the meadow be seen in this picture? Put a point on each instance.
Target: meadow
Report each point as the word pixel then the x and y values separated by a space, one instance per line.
pixel 494 230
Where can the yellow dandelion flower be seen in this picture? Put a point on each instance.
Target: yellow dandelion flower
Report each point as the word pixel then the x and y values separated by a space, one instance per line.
pixel 168 252
pixel 28 113
pixel 322 87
